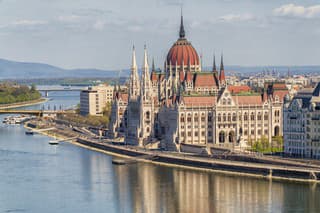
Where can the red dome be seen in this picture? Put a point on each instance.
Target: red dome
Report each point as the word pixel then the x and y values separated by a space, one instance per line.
pixel 182 50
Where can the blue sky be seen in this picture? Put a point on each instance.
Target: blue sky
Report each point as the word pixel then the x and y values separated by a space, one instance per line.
pixel 100 33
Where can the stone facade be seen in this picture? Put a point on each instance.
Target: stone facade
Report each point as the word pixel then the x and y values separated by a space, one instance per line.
pixel 302 125
pixel 184 106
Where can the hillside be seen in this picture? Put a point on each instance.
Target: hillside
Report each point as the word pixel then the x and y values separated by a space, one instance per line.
pixel 27 70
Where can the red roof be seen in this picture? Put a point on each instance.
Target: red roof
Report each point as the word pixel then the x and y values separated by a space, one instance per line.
pixel 205 80
pixel 199 101
pixel 280 86
pixel 248 99
pixel 238 89
pixel 182 50
pixel 280 93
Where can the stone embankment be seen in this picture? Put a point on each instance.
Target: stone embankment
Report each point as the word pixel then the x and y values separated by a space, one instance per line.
pixel 264 168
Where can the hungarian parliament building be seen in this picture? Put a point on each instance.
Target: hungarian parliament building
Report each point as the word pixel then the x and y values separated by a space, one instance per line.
pixel 184 108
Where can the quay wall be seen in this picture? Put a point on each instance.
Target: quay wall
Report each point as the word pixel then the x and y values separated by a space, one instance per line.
pixel 295 174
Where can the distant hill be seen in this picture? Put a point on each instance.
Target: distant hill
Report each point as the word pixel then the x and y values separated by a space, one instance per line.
pixel 27 70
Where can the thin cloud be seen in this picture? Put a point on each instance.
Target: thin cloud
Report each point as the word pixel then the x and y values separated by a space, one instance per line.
pixel 236 17
pixel 292 10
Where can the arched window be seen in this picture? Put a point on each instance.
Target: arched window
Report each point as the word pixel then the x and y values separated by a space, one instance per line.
pixel 231 137
pixel 277 131
pixel 223 101
pixel 229 101
pixel 148 115
pixel 222 137
pixel 259 116
pixel 252 116
pixel 266 117
pixel 224 117
pixel 219 117
pixel 234 117
pixel 189 117
pixel 245 117
pixel 229 117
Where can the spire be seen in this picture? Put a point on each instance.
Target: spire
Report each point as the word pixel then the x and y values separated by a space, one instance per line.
pixel 214 63
pixel 153 66
pixel 134 62
pixel 182 33
pixel 134 77
pixel 222 77
pixel 145 70
pixel 221 66
pixel 145 58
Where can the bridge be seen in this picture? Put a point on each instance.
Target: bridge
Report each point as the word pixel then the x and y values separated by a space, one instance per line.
pixel 31 112
pixel 48 89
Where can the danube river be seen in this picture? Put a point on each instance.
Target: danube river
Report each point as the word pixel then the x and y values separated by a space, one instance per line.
pixel 36 177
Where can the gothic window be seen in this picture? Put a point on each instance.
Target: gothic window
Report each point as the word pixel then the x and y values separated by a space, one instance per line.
pixel 222 137
pixel 219 117
pixel 252 116
pixel 231 137
pixel 224 117
pixel 229 117
pixel 259 117
pixel 196 118
pixel 148 115
pixel 182 119
pixel 229 101
pixel 203 119
pixel 223 101
pixel 245 117
pixel 196 134
pixel 209 133
pixel 189 118
pixel 234 117
pixel 266 117
pixel 148 130
pixel 189 134
pixel 209 118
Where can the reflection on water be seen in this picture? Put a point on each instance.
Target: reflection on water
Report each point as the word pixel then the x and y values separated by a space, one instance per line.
pixel 149 188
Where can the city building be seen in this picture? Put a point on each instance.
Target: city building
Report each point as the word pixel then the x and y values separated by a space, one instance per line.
pixel 185 108
pixel 302 124
pixel 95 99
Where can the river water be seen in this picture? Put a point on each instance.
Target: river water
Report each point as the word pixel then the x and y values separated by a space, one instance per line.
pixel 36 177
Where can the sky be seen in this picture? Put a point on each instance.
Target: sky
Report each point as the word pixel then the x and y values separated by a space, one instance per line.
pixel 100 33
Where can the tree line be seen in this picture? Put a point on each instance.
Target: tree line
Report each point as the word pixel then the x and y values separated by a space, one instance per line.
pixel 15 93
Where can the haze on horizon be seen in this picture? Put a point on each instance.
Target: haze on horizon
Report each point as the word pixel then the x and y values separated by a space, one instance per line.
pixel 100 33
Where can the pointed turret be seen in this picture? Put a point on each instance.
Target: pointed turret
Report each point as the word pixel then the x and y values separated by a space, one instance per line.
pixel 134 77
pixel 146 81
pixel 222 77
pixel 214 68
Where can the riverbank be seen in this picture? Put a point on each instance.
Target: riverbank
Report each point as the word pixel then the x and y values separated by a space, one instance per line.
pixel 23 104
pixel 278 171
